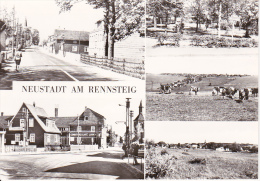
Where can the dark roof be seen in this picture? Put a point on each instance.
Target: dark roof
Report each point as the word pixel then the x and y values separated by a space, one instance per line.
pixel 140 117
pixel 72 35
pixel 63 121
pixel 4 121
pixel 95 113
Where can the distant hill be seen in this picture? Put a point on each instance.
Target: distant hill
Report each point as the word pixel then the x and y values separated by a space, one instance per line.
pixel 206 84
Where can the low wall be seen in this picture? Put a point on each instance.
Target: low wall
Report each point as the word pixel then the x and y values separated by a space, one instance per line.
pixel 83 147
pixel 16 148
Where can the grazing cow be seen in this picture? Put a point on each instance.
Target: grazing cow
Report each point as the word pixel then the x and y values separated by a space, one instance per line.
pixel 229 92
pixel 243 94
pixel 194 89
pixel 165 89
pixel 254 91
pixel 217 90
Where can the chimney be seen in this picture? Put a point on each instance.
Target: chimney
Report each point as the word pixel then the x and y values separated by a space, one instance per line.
pixel 33 104
pixel 86 107
pixel 2 113
pixel 56 110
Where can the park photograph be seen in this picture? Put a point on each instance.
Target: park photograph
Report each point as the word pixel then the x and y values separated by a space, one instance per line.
pixel 201 150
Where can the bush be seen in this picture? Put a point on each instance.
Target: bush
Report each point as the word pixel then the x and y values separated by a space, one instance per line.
pixel 198 161
pixel 215 42
pixel 158 165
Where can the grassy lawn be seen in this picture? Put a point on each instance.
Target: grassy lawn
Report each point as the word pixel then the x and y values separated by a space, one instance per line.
pixel 175 164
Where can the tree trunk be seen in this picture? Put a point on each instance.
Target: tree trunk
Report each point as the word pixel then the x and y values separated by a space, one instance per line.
pixel 112 31
pixel 155 22
pixel 106 27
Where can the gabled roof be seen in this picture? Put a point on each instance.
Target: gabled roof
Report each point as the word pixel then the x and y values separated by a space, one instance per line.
pixel 63 121
pixel 4 121
pixel 88 122
pixel 38 112
pixel 71 35
pixel 140 117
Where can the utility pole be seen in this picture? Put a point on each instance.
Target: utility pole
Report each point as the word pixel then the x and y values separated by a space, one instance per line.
pixel 131 125
pixel 78 130
pixel 219 18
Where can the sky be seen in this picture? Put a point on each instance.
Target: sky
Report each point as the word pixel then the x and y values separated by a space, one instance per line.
pixel 200 131
pixel 71 104
pixel 44 15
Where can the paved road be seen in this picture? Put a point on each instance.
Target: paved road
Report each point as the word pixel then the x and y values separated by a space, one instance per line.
pixel 91 165
pixel 37 65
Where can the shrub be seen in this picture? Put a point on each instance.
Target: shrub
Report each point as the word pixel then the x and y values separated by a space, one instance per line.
pixel 198 161
pixel 164 151
pixel 158 165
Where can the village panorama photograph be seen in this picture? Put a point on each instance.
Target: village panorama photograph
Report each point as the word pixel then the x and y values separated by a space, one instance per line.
pixel 71 40
pixel 201 150
pixel 71 136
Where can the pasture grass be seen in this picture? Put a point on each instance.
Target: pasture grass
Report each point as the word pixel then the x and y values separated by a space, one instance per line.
pixel 203 107
pixel 217 165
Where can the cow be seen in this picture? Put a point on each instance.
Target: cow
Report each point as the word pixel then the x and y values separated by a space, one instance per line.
pixel 217 90
pixel 229 92
pixel 194 89
pixel 243 93
pixel 165 89
pixel 254 91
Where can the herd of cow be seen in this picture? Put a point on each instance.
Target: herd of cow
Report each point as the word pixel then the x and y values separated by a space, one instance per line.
pixel 231 91
pixel 223 91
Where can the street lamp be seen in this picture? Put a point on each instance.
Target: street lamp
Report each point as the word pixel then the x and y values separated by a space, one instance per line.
pixel 127 139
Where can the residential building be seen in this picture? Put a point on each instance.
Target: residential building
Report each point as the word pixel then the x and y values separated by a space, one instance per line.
pixel 97 40
pixel 32 126
pixel 71 41
pixel 86 129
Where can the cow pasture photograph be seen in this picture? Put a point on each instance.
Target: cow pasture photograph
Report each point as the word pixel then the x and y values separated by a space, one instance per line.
pixel 201 150
pixel 202 88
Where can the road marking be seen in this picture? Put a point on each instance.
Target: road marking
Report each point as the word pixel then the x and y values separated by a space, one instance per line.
pixel 73 78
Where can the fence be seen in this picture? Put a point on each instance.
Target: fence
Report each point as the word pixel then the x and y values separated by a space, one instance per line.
pixel 16 148
pixel 83 147
pixel 123 66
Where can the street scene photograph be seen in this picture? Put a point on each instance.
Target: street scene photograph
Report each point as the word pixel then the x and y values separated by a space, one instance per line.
pixel 71 136
pixel 201 150
pixel 202 60
pixel 60 40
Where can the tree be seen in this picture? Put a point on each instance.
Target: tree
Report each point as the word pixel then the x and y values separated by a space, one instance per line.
pixel 35 37
pixel 160 9
pixel 117 14
pixel 248 13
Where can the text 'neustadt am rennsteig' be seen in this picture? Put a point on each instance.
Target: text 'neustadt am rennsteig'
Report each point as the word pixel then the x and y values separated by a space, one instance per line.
pixel 79 89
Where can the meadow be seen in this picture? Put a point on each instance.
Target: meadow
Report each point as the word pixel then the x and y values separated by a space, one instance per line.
pixel 168 163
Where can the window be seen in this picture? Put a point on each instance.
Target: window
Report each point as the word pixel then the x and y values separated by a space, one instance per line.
pixel 23 109
pixel 53 124
pixel 32 137
pixel 79 128
pixel 56 138
pixel 66 129
pixel 31 122
pixel 85 118
pixel 47 123
pixel 92 128
pixel 17 137
pixel 22 123
pixel 48 138
pixel 85 49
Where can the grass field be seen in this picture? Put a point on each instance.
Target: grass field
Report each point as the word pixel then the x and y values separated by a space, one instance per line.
pixel 203 107
pixel 175 164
